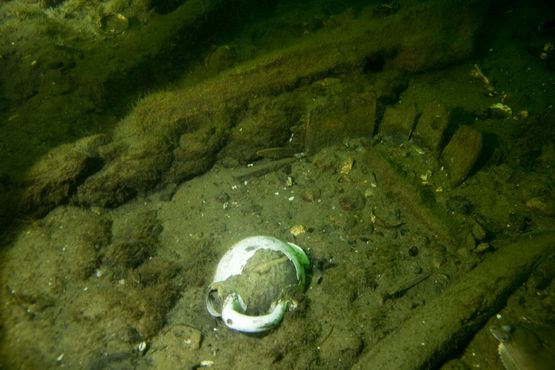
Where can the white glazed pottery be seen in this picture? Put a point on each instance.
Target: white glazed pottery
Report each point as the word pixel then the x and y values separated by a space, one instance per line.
pixel 255 281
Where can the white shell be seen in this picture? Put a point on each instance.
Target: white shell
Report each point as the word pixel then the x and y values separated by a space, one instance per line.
pixel 234 318
pixel 233 262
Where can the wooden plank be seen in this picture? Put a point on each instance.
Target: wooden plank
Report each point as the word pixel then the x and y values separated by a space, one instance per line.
pixel 441 326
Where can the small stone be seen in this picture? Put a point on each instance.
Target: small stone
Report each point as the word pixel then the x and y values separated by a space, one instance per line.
pixel 541 206
pixel 482 247
pixel 439 255
pixel 297 230
pixel 398 122
pixel 346 166
pixel 461 153
pixel 478 231
pixel 469 242
pixel 431 126
pixel 500 111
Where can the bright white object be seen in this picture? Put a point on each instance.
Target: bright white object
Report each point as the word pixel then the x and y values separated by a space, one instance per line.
pixel 233 308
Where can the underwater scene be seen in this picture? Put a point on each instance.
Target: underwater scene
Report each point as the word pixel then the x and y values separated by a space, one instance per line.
pixel 277 184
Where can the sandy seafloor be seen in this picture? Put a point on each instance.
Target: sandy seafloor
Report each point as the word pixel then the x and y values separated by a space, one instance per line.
pixel 124 287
